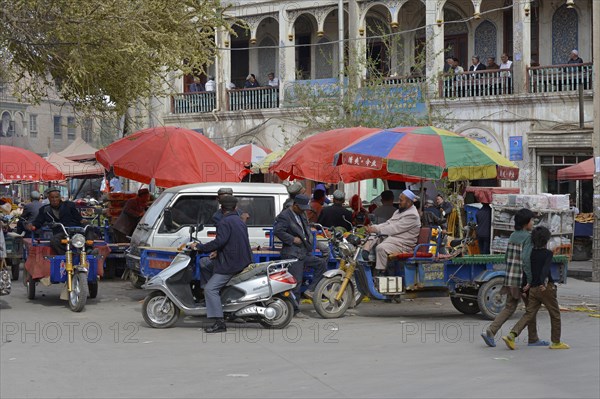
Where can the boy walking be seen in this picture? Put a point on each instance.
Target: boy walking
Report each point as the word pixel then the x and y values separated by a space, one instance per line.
pixel 518 255
pixel 542 290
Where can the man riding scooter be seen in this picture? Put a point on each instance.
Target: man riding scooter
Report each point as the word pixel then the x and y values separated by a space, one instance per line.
pixel 233 255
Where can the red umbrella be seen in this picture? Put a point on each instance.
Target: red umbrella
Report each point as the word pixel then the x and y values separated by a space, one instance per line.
pixel 249 153
pixel 19 164
pixel 312 159
pixel 581 171
pixel 172 156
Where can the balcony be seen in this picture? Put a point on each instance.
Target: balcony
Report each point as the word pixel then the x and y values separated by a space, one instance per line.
pixel 255 98
pixel 476 84
pixel 559 78
pixel 193 103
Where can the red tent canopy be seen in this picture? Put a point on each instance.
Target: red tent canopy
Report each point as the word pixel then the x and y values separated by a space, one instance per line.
pixel 581 171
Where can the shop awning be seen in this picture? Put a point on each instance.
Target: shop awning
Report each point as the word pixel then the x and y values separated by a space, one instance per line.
pixel 484 194
pixel 581 171
pixel 79 150
pixel 75 169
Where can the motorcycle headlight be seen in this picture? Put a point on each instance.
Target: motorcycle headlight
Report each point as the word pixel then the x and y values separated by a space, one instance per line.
pixel 346 249
pixel 78 241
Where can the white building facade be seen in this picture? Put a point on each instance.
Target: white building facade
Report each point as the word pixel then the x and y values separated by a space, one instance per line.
pixel 538 115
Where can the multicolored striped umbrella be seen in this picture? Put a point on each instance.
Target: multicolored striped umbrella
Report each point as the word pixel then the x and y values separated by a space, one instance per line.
pixel 249 153
pixel 429 153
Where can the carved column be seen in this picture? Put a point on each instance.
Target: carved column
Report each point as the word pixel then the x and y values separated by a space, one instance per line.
pixel 222 67
pixel 522 45
pixel 434 46
pixel 287 54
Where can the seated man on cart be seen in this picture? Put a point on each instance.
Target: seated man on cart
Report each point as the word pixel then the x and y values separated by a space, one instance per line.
pixel 402 230
pixel 58 211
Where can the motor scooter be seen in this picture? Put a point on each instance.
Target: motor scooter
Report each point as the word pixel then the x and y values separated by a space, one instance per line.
pixel 261 292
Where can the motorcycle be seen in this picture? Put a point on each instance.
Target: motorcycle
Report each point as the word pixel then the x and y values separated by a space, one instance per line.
pixel 339 289
pixel 261 292
pixel 79 275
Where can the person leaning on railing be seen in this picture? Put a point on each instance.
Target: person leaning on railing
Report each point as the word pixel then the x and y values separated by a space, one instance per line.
pixel 568 81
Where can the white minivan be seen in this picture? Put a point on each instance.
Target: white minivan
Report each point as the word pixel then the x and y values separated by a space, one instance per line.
pixel 196 203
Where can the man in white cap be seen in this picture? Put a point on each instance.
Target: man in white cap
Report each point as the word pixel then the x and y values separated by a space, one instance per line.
pixel 402 230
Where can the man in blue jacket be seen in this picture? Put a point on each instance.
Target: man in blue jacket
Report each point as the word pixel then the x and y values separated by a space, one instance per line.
pixel 233 255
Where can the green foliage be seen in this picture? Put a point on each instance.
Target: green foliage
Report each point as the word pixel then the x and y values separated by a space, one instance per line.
pixel 90 49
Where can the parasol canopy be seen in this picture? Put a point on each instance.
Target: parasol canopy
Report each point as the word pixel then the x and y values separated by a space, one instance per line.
pixel 270 159
pixel 172 156
pixel 313 157
pixel 19 164
pixel 427 152
pixel 249 153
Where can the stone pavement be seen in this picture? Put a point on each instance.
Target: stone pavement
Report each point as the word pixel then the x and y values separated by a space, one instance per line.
pixel 580 269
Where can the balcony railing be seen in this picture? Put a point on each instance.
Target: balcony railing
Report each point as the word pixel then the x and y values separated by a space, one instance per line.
pixel 193 103
pixel 559 78
pixel 256 98
pixel 403 80
pixel 476 84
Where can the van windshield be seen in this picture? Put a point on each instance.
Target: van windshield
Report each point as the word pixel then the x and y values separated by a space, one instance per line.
pixel 192 209
pixel 156 209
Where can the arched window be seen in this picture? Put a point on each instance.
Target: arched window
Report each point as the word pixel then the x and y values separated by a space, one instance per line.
pixel 7 126
pixel 485 41
pixel 324 62
pixel 267 59
pixel 564 34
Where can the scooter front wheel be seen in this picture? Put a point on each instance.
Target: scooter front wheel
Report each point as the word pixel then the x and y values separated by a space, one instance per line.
pixel 324 298
pixel 159 311
pixel 79 292
pixel 285 312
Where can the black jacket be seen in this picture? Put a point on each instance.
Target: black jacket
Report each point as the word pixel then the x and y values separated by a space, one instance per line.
pixel 480 67
pixel 232 245
pixel 484 221
pixel 333 216
pixel 541 262
pixel 286 228
pixel 67 215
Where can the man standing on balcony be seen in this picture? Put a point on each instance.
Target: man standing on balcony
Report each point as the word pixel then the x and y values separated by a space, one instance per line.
pixel 251 82
pixel 491 64
pixel 476 66
pixel 505 69
pixel 574 58
pixel 273 81
pixel 196 86
pixel 210 84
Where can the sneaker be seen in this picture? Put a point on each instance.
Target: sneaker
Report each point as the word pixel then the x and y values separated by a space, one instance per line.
pixel 488 338
pixel 309 294
pixel 509 340
pixel 539 342
pixel 559 345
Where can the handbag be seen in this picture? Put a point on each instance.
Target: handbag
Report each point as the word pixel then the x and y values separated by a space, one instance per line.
pixel 5 283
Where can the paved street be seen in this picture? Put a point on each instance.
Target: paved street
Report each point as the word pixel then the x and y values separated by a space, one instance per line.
pixel 421 348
